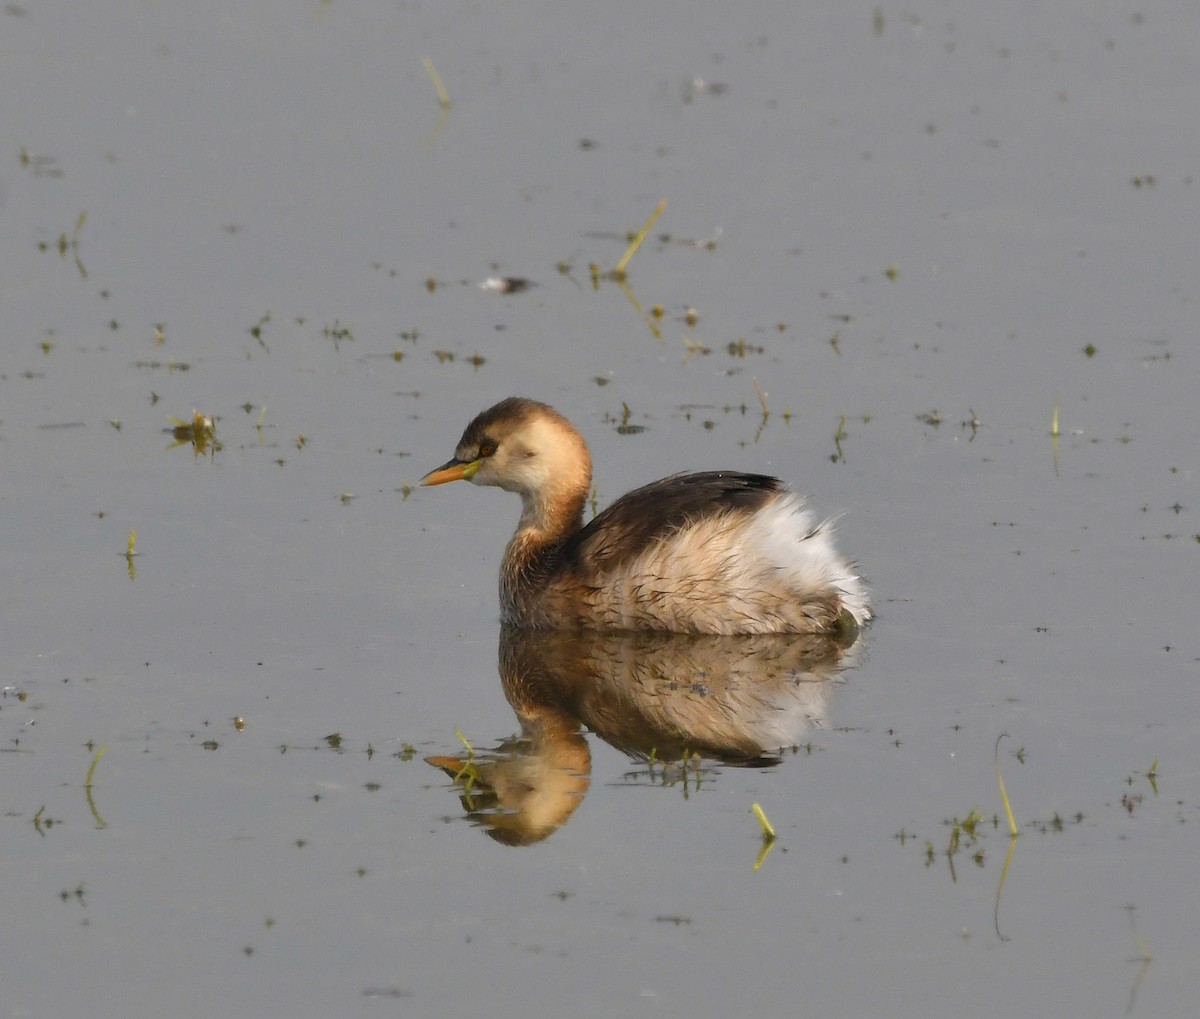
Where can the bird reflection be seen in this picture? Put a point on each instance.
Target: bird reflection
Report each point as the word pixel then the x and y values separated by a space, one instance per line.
pixel 737 699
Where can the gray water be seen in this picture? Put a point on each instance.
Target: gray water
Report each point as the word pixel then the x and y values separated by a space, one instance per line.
pixel 925 233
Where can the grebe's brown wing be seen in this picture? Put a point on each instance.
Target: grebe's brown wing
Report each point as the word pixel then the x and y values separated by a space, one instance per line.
pixel 648 514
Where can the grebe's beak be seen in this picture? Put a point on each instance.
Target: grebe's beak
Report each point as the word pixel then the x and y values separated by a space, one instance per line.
pixel 452 470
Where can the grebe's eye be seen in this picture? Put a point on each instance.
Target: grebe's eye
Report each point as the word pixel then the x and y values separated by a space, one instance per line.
pixel 487 449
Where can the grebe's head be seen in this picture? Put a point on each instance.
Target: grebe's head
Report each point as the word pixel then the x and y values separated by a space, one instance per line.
pixel 521 446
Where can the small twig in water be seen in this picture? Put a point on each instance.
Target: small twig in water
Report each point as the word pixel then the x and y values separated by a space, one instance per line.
pixel 762 399
pixel 442 94
pixel 619 271
pixel 768 833
pixel 1012 823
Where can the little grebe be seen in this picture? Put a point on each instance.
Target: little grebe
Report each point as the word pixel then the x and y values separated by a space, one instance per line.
pixel 718 552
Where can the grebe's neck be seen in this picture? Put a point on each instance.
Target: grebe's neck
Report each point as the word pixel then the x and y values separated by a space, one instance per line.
pixel 549 516
pixel 553 490
pixel 553 477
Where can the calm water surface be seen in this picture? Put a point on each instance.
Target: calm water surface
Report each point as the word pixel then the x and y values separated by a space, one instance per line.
pixel 923 232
